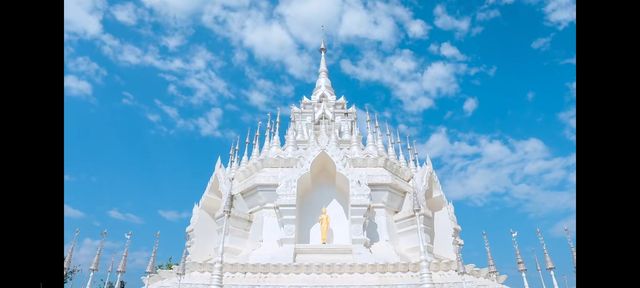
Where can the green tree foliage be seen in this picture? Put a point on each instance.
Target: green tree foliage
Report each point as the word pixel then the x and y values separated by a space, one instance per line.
pixel 166 266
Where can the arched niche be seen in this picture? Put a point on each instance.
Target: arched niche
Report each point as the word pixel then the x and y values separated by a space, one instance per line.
pixel 322 186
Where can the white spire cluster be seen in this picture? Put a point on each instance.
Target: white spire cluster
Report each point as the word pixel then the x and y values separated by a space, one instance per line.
pixel 326 122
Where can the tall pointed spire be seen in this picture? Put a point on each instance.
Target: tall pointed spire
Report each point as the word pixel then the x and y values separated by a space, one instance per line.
pixel 182 269
pixel 236 160
pixel 323 83
pixel 379 143
pixel 245 158
pixel 95 264
pixel 415 154
pixel 371 145
pixel 355 144
pixel 391 150
pixel 151 266
pixel 67 259
pixel 535 257
pixel 267 143
pixel 493 271
pixel 290 144
pixel 255 153
pixel 519 260
pixel 122 267
pixel 106 281
pixel 573 248
pixel 230 157
pixel 275 142
pixel 547 259
pixel 410 152
pixel 403 162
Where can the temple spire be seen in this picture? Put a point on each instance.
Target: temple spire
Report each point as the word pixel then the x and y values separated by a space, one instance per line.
pixel 535 257
pixel 493 271
pixel 122 267
pixel 255 153
pixel 573 248
pixel 323 84
pixel 245 158
pixel 230 157
pixel 519 262
pixel 267 142
pixel 379 143
pixel 371 145
pixel 547 259
pixel 67 259
pixel 403 162
pixel 391 150
pixel 410 152
pixel 95 264
pixel 275 142
pixel 415 155
pixel 151 266
pixel 236 161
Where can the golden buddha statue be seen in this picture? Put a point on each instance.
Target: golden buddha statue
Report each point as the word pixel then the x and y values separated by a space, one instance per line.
pixel 324 225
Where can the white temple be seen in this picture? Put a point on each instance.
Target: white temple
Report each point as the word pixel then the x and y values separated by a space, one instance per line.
pixel 269 200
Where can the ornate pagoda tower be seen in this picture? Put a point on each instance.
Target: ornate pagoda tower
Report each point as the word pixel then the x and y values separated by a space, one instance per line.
pixel 390 224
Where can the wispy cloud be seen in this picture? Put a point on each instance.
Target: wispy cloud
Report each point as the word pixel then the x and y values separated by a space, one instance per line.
pixel 129 217
pixel 470 105
pixel 173 215
pixel 76 87
pixel 484 168
pixel 571 60
pixel 83 17
pixel 71 212
pixel 447 50
pixel 542 43
pixel 447 22
pixel 560 13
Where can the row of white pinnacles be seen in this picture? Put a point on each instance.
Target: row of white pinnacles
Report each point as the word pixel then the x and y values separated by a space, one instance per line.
pixel 69 270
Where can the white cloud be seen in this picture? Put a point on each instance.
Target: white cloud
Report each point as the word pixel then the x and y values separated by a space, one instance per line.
pixel 572 88
pixel 74 86
pixel 470 105
pixel 83 17
pixel 439 79
pixel 447 22
pixel 176 10
pixel 128 98
pixel 173 215
pixel 482 168
pixel 153 117
pixel 129 217
pixel 447 50
pixel 569 119
pixel 84 65
pixel 571 60
pixel 209 123
pixel 542 43
pixel 125 13
pixel 286 38
pixel 560 13
pixel 488 14
pixel 70 212
pixel 401 73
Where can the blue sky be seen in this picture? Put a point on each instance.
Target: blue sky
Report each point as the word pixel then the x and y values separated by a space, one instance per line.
pixel 155 90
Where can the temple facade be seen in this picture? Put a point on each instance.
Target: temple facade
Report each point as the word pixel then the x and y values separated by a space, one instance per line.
pixel 386 220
